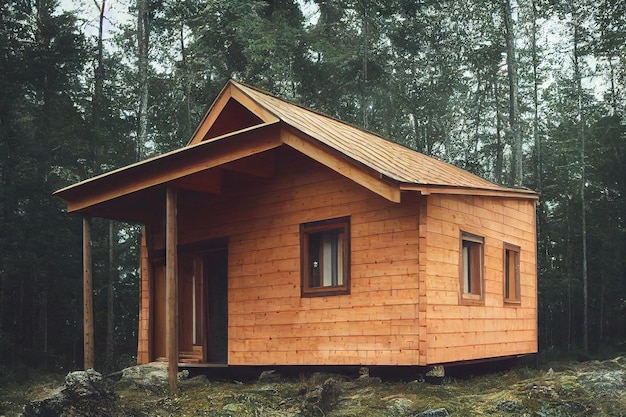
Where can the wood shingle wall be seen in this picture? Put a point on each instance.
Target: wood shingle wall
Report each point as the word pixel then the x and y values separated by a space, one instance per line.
pixel 404 306
pixel 269 321
pixel 462 332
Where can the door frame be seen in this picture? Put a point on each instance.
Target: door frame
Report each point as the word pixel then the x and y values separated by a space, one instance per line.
pixel 199 251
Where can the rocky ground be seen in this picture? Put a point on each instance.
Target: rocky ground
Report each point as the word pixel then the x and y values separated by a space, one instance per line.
pixel 594 388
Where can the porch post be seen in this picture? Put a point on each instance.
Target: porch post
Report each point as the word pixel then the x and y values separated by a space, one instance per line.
pixel 87 297
pixel 171 291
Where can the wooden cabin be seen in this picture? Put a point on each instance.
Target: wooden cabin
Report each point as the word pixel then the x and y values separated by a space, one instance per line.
pixel 281 236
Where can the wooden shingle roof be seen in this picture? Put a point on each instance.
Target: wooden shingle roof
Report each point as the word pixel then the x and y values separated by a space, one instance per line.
pixel 410 169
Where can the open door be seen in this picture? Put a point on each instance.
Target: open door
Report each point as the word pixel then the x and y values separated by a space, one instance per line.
pixel 203 307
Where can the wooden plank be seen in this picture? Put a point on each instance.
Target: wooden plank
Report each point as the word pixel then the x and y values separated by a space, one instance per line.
pixel 342 166
pixel 423 281
pixel 88 336
pixel 211 115
pixel 228 92
pixel 205 181
pixel 143 344
pixel 171 277
pixel 261 165
pixel 455 353
pixel 511 193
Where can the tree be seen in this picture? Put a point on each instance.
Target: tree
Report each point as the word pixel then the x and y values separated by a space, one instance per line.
pixel 511 65
pixel 40 128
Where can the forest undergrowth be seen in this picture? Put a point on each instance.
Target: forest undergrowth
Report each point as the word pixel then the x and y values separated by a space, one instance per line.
pixel 565 388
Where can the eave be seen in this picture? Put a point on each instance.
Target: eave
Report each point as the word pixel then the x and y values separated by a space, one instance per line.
pixel 178 167
pixel 426 189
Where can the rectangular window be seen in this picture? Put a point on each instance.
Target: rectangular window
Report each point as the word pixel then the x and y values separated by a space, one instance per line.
pixel 471 267
pixel 325 257
pixel 511 273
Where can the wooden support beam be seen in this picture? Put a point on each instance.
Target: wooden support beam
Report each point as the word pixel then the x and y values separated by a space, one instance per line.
pixel 87 297
pixel 171 291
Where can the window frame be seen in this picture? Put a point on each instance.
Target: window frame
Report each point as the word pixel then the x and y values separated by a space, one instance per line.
pixel 477 242
pixel 307 229
pixel 506 273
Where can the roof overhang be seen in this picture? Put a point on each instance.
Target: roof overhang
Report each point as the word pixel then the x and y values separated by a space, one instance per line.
pixel 117 193
pixel 425 189
pixel 130 193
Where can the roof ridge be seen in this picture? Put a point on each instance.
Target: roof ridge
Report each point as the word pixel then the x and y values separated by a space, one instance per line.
pixel 320 113
pixel 394 160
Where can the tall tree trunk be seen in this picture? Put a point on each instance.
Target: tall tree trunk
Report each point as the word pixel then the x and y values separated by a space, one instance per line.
pixel 583 177
pixel 613 88
pixel 536 137
pixel 569 283
pixel 44 320
pixel 602 290
pixel 364 104
pixel 186 78
pixel 96 110
pixel 143 37
pixel 499 147
pixel 511 64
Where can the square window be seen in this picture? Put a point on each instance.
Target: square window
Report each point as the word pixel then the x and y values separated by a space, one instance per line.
pixel 511 273
pixel 471 267
pixel 325 257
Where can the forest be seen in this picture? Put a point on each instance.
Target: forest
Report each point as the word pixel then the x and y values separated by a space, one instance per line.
pixel 525 93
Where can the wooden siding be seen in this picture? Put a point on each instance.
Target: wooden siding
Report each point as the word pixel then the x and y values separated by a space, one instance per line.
pixel 269 322
pixel 465 332
pixel 404 304
pixel 143 344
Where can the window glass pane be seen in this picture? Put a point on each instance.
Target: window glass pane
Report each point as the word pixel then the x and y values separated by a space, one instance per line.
pixel 507 274
pixel 314 260
pixel 471 267
pixel 466 268
pixel 476 266
pixel 325 257
pixel 340 252
pixel 511 274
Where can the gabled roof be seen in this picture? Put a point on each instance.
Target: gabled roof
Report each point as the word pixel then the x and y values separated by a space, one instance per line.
pixel 411 169
pixel 244 123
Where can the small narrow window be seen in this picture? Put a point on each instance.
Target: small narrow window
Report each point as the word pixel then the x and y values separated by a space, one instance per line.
pixel 511 274
pixel 325 250
pixel 471 267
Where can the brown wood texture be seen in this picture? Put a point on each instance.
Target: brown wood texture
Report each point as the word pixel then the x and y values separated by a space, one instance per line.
pixel 385 157
pixel 171 277
pixel 245 121
pixel 158 313
pixel 269 321
pixel 144 351
pixel 404 303
pixel 493 328
pixel 174 165
pixel 88 336
pixel 423 248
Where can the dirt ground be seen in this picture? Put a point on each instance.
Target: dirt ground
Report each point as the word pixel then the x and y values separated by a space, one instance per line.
pixel 593 388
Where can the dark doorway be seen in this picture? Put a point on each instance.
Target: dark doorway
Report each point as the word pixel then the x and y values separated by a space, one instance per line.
pixel 202 306
pixel 216 273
